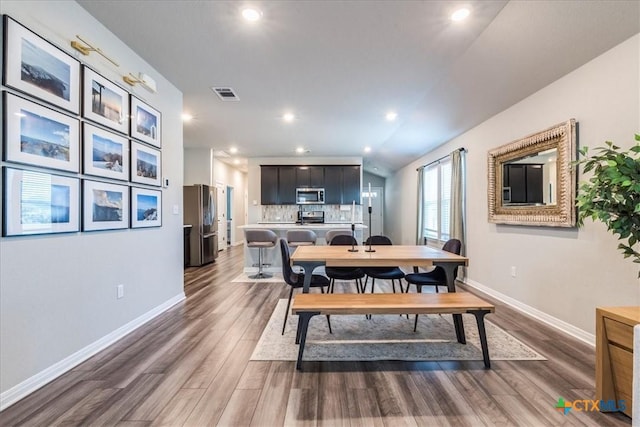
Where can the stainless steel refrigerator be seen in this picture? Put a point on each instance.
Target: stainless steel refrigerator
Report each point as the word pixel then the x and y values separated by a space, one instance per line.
pixel 200 211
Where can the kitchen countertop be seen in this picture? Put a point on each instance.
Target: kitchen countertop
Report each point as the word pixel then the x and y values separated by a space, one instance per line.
pixel 290 225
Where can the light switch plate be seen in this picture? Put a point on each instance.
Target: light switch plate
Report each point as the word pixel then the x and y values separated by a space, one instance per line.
pixel 176 209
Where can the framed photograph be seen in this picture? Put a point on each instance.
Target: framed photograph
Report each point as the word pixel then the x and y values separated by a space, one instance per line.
pixel 35 66
pixel 39 203
pixel 104 206
pixel 39 136
pixel 146 164
pixel 145 122
pixel 105 153
pixel 146 208
pixel 105 102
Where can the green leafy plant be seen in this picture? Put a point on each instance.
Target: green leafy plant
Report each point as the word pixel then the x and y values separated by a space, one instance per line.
pixel 612 193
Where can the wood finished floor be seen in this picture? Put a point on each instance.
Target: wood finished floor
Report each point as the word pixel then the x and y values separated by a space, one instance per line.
pixel 190 367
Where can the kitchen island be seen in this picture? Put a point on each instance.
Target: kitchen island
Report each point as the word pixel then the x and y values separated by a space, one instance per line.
pixel 272 255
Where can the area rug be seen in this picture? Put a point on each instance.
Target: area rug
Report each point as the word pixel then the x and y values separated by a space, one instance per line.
pixel 244 278
pixel 386 337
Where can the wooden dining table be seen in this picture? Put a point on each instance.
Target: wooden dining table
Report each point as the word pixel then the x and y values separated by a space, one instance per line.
pixel 410 256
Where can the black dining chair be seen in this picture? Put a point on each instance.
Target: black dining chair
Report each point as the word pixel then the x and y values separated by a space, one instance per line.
pixel 344 273
pixel 382 273
pixel 296 280
pixel 436 277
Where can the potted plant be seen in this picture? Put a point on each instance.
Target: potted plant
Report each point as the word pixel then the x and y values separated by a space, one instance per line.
pixel 612 193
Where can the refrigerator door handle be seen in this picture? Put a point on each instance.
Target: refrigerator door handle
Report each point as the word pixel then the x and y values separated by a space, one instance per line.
pixel 206 236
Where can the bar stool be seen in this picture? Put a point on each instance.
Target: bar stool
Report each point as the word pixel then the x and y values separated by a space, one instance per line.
pixel 260 239
pixel 297 238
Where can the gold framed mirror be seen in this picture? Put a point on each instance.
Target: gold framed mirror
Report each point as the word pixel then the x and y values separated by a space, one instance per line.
pixel 532 181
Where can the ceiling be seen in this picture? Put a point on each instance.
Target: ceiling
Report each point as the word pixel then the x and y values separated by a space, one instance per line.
pixel 340 66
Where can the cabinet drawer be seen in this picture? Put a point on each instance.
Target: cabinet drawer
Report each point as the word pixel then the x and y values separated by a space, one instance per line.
pixel 619 333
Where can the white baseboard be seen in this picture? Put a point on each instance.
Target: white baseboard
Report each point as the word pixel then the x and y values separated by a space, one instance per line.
pixel 33 383
pixel 554 322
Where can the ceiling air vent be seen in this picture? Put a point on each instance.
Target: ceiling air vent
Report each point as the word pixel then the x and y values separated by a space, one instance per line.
pixel 225 93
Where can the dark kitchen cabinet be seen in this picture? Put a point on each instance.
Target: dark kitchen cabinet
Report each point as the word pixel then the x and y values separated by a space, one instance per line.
pixel 316 176
pixel 310 176
pixel 523 183
pixel 269 185
pixel 332 185
pixel 341 183
pixel 303 177
pixel 534 184
pixel 287 185
pixel 351 184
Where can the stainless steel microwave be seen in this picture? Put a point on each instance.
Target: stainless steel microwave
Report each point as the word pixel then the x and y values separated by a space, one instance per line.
pixel 310 196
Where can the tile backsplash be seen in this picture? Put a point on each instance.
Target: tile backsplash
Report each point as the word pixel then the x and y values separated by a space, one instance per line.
pixel 289 213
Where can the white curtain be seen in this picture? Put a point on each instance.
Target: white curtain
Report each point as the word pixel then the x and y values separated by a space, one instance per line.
pixel 420 231
pixel 457 212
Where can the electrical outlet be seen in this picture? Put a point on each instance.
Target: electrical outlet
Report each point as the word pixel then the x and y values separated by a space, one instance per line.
pixel 120 291
pixel 513 271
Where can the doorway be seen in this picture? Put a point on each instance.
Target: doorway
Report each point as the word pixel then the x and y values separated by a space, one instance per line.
pixel 231 238
pixel 377 210
pixel 222 216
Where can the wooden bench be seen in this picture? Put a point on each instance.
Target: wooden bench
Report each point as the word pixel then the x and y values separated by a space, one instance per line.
pixel 308 305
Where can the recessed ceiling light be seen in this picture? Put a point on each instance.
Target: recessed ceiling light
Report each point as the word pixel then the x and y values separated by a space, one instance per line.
pixel 299 150
pixel 186 117
pixel 288 117
pixel 233 150
pixel 460 14
pixel 391 116
pixel 251 14
pixel 367 149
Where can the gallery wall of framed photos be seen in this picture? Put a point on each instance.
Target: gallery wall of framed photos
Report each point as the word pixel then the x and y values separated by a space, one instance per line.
pixel 80 152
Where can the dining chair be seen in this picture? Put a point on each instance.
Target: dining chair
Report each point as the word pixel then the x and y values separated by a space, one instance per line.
pixel 333 233
pixel 382 273
pixel 436 277
pixel 344 273
pixel 296 280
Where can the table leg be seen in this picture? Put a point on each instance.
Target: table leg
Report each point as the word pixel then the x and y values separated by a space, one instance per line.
pixel 459 327
pixel 308 267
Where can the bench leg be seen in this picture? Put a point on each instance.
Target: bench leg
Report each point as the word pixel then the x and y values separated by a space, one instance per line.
pixel 303 326
pixel 483 335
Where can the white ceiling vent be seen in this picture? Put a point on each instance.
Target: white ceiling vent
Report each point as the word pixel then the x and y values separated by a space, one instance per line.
pixel 225 93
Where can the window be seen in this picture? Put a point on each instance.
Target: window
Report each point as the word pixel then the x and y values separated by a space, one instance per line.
pixel 436 196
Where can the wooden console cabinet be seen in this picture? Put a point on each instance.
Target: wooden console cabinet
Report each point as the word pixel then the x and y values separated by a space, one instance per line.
pixel 614 353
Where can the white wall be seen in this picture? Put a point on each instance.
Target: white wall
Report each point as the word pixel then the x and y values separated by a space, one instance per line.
pixel 375 180
pixel 563 273
pixel 253 175
pixel 198 166
pixel 58 292
pixel 232 177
